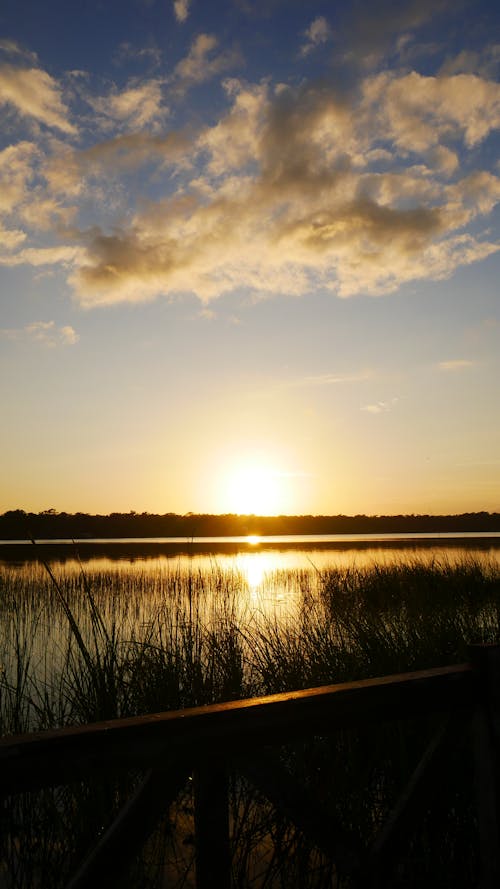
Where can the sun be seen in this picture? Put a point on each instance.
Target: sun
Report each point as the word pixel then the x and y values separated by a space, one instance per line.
pixel 254 488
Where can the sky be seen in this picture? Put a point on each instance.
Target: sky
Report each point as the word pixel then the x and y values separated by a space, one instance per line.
pixel 249 256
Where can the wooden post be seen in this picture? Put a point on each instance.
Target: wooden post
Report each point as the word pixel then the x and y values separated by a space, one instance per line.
pixel 486 662
pixel 211 818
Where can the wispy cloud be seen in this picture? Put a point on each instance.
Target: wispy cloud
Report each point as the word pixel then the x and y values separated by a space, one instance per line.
pixel 332 379
pixel 43 256
pixel 380 407
pixel 16 172
pixel 35 94
pixel 45 333
pixel 14 50
pixel 317 33
pixel 135 107
pixel 370 28
pixel 181 10
pixel 127 52
pixel 455 364
pixel 485 63
pixel 203 62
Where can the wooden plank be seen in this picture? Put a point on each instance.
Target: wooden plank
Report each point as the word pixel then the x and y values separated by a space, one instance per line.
pixel 55 757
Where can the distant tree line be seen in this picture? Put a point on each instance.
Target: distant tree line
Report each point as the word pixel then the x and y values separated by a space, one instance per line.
pixel 50 524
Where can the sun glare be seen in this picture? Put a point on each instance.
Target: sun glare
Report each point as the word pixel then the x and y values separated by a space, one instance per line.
pixel 254 488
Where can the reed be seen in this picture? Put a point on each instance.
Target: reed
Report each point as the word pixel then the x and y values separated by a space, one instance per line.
pixel 80 646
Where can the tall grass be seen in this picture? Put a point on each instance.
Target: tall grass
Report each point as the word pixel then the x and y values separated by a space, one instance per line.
pixel 89 645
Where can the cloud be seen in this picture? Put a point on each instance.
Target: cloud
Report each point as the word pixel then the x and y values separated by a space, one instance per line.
pixel 14 50
pixel 369 27
pixel 35 94
pixel 455 364
pixel 417 112
pixel 135 107
pixel 45 333
pixel 41 256
pixel 289 190
pixel 23 195
pixel 235 139
pixel 127 152
pixel 11 239
pixel 17 169
pixel 484 63
pixel 127 52
pixel 331 379
pixel 299 176
pixel 203 62
pixel 317 33
pixel 380 407
pixel 94 172
pixel 181 10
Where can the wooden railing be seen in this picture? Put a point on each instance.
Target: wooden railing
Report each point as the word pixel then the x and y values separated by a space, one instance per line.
pixel 206 741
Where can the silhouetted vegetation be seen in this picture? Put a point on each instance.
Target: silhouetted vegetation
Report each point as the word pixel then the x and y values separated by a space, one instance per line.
pixel 101 644
pixel 50 524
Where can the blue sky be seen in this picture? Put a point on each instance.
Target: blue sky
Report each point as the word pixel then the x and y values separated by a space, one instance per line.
pixel 249 256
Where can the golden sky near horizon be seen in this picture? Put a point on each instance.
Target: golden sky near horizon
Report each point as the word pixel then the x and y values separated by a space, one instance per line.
pixel 249 256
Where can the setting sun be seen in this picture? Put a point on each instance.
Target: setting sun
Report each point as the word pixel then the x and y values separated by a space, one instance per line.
pixel 254 488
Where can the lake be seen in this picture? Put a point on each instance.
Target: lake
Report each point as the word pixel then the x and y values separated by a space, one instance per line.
pixel 270 552
pixel 173 596
pixel 272 571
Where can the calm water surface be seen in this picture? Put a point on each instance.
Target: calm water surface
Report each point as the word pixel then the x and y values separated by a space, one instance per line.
pixel 145 585
pixel 258 559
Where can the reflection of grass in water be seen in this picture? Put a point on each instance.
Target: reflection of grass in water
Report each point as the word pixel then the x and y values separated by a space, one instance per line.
pixel 172 640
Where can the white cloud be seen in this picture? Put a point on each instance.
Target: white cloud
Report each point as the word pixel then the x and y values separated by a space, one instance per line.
pixel 17 168
pixel 25 198
pixel 34 93
pixel 45 333
pixel 291 189
pixel 136 106
pixel 234 140
pixel 284 173
pixel 317 33
pixel 455 364
pixel 380 407
pixel 11 239
pixel 203 62
pixel 417 111
pixel 41 256
pixel 181 10
pixel 332 379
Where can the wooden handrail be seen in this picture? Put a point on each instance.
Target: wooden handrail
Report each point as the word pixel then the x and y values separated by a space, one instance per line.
pixel 53 757
pixel 204 740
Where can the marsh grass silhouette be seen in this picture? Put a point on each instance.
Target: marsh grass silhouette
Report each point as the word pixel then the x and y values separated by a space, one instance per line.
pixel 193 646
